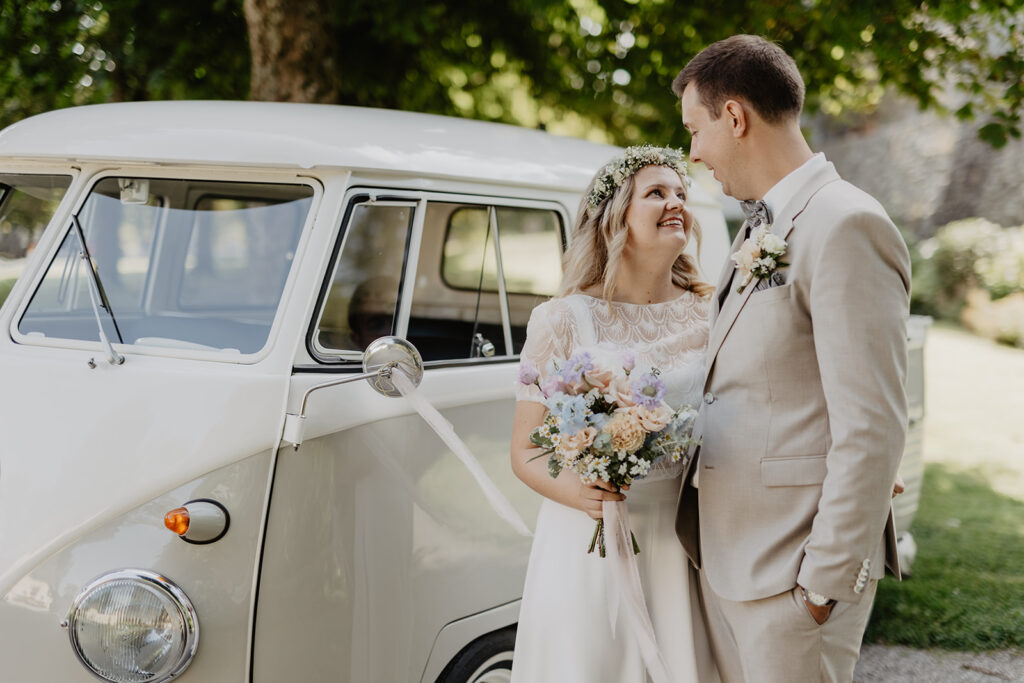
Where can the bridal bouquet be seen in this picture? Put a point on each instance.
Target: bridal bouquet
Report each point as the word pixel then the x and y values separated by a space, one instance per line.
pixel 606 421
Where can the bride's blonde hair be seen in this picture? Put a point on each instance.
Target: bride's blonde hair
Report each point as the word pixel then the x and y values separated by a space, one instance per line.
pixel 599 237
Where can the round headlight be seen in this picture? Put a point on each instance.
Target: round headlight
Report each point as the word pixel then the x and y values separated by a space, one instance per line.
pixel 133 626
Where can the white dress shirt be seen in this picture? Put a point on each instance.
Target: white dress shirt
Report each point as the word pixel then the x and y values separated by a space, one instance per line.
pixel 780 194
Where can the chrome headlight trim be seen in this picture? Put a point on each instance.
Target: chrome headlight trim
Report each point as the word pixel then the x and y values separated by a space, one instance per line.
pixel 178 599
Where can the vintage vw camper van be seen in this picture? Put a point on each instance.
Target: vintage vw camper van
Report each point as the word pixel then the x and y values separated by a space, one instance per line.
pixel 196 482
pixel 155 524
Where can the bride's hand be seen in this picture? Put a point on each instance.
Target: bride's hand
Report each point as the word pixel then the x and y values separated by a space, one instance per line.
pixel 591 496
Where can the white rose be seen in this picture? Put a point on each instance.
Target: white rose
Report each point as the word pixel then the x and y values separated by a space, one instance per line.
pixel 774 244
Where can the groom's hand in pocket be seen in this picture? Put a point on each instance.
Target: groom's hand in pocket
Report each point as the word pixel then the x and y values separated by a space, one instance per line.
pixel 820 613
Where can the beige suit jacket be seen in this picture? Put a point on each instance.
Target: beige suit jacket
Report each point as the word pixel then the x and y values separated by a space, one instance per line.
pixel 804 416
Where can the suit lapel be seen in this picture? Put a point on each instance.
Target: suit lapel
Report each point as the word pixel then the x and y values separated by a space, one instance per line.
pixel 782 225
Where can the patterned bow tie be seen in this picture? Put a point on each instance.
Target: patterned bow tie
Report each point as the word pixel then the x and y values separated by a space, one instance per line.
pixel 757 213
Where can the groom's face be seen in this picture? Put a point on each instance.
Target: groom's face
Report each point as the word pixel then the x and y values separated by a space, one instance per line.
pixel 712 141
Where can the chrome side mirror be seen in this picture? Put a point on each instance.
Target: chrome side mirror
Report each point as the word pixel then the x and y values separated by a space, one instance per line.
pixel 382 357
pixel 394 352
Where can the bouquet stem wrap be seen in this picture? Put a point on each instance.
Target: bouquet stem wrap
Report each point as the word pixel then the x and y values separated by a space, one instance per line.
pixel 444 429
pixel 623 586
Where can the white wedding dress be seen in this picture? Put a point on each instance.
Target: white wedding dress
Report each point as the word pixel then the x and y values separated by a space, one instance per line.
pixel 564 632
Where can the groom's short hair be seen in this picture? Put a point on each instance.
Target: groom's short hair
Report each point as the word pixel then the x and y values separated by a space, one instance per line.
pixel 746 67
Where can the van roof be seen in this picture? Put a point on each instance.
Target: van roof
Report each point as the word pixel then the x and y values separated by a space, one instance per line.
pixel 306 135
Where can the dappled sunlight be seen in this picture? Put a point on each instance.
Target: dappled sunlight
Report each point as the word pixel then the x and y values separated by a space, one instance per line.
pixel 975 399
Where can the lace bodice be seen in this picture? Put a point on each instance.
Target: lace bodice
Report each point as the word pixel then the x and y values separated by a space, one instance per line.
pixel 670 336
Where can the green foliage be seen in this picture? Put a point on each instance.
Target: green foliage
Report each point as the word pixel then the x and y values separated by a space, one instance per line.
pixel 967 590
pixel 967 254
pixel 5 289
pixel 601 67
pixel 59 53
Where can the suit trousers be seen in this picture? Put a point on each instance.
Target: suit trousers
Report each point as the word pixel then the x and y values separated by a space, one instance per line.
pixel 776 640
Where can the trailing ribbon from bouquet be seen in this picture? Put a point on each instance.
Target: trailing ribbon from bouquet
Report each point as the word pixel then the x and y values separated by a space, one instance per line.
pixel 443 428
pixel 623 586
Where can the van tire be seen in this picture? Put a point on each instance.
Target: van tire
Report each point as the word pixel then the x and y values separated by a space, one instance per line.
pixel 488 659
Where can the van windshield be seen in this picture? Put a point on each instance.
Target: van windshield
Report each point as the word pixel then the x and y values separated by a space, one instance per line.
pixel 185 264
pixel 27 203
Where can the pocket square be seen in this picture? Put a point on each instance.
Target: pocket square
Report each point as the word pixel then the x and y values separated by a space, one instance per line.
pixel 774 280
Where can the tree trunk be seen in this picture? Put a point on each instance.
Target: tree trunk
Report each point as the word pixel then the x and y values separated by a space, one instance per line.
pixel 292 51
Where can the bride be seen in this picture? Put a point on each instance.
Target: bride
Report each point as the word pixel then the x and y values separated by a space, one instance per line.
pixel 628 289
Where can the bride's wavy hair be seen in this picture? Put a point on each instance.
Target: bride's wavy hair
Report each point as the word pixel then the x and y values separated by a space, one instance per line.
pixel 599 237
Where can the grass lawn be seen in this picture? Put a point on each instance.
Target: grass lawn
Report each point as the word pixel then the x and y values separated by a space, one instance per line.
pixel 967 589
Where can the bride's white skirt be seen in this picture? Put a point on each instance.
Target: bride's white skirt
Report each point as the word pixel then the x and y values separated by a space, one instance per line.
pixel 564 632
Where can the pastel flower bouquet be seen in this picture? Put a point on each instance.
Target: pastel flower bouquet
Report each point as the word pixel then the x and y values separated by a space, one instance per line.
pixel 606 421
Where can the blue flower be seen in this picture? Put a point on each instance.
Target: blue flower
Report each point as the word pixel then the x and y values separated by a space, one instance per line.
pixel 570 412
pixel 648 390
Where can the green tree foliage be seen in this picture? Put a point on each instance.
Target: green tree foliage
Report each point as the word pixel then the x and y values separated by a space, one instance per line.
pixel 58 53
pixel 601 65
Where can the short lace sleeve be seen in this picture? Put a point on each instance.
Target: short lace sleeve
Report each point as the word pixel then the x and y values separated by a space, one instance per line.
pixel 550 335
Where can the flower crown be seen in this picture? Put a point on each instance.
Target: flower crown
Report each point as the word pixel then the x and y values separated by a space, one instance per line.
pixel 615 172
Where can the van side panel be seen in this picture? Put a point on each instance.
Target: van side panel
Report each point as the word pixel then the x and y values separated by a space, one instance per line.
pixel 378 537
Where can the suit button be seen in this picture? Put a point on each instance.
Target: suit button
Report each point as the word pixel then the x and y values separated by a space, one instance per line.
pixel 709 398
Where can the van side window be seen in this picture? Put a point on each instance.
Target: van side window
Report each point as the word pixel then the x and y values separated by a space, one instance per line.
pixel 531 257
pixel 457 307
pixel 363 297
pixel 531 250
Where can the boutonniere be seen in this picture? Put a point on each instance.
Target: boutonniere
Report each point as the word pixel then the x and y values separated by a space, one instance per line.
pixel 759 256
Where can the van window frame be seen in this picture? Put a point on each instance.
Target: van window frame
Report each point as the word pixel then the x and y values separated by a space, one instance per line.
pixel 338 359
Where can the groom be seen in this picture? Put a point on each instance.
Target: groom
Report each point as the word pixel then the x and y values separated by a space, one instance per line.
pixel 786 509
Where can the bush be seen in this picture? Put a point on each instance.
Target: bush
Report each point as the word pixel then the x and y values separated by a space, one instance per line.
pixel 1000 319
pixel 972 271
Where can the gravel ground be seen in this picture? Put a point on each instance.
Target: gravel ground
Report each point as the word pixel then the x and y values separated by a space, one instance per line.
pixel 896 664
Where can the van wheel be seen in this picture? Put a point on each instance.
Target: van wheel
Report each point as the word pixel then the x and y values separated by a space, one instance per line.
pixel 488 659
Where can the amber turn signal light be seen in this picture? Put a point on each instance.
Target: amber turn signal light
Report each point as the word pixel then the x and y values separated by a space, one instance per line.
pixel 199 521
pixel 177 520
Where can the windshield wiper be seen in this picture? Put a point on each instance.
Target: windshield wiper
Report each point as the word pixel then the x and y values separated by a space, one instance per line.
pixel 98 297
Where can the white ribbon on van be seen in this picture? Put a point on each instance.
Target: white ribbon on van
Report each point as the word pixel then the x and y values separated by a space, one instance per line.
pixel 444 429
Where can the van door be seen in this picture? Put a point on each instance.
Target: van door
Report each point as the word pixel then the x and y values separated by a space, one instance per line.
pixel 377 535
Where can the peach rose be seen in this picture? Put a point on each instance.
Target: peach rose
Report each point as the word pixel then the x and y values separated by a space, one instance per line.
pixel 600 377
pixel 571 445
pixel 620 392
pixel 580 386
pixel 654 419
pixel 624 428
pixel 748 252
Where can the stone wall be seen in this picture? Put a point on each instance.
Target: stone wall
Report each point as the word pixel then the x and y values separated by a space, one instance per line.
pixel 926 169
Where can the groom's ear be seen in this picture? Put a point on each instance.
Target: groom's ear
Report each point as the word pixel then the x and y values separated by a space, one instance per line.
pixel 736 116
